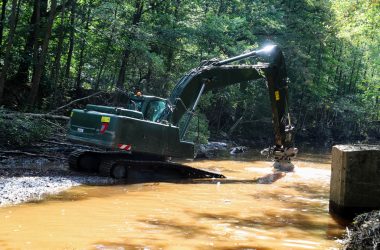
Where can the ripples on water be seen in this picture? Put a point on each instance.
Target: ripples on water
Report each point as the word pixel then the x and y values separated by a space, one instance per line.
pixel 233 213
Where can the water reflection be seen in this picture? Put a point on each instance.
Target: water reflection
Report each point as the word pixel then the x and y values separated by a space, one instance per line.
pixel 233 213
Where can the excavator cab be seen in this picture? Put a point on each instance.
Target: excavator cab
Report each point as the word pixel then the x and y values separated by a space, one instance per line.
pixel 150 107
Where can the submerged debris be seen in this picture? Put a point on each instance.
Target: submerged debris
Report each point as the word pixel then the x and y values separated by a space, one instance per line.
pixel 364 232
pixel 270 178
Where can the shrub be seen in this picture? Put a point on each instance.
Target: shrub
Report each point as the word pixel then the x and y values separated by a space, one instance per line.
pixel 22 131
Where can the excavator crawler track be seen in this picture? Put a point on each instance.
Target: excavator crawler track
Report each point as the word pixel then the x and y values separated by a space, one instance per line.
pixel 121 166
pixel 153 168
pixel 105 168
pixel 73 159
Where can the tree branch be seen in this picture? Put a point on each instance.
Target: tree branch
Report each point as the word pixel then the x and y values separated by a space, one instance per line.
pixel 75 101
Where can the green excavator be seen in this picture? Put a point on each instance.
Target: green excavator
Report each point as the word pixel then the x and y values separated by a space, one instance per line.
pixel 144 135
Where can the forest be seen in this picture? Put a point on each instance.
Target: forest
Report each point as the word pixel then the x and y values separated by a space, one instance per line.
pixel 55 51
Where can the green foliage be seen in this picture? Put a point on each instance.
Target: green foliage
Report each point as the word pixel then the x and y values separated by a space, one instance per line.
pixel 331 49
pixel 22 131
pixel 198 131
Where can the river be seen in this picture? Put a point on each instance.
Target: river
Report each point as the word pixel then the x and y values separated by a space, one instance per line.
pixel 234 213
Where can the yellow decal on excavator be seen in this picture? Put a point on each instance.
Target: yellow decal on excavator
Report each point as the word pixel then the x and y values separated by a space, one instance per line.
pixel 106 119
pixel 277 95
pixel 72 113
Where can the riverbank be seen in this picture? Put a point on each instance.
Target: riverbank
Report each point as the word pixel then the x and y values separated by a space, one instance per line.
pixel 24 179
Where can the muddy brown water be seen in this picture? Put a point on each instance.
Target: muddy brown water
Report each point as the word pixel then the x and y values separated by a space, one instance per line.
pixel 234 213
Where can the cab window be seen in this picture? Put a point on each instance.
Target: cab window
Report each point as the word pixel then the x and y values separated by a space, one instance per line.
pixel 135 105
pixel 154 110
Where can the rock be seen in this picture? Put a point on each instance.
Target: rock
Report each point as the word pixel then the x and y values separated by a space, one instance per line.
pixel 211 149
pixel 214 149
pixel 238 150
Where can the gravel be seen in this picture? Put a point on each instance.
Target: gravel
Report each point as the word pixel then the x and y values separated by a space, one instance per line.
pixel 24 179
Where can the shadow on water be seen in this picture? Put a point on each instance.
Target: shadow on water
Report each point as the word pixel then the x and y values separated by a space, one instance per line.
pixel 182 230
pixel 176 179
pixel 312 191
pixel 118 245
pixel 64 196
pixel 3 245
pixel 266 221
pixel 186 230
pixel 271 219
pixel 150 179
pixel 242 247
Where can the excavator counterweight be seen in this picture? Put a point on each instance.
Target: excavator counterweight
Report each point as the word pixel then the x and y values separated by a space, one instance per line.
pixel 145 133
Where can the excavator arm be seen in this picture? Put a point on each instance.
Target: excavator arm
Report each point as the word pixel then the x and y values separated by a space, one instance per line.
pixel 205 79
pixel 220 73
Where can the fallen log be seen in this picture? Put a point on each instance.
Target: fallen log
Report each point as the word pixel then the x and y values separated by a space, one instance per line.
pixel 68 144
pixel 45 116
pixel 18 152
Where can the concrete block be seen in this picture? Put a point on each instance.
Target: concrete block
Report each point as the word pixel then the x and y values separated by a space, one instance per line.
pixel 355 179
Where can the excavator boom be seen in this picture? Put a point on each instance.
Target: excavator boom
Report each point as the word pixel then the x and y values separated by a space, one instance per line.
pixel 219 74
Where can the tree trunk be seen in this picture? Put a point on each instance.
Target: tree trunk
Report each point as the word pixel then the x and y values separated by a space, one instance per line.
pixel 139 6
pixel 40 60
pixel 18 12
pixel 222 7
pixel 58 52
pixel 170 54
pixel 57 58
pixel 102 65
pixel 2 19
pixel 82 49
pixel 123 68
pixel 339 89
pixel 71 41
pixel 39 7
pixel 352 74
pixel 7 58
pixel 106 54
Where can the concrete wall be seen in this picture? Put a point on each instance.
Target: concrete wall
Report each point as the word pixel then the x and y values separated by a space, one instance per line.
pixel 355 179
